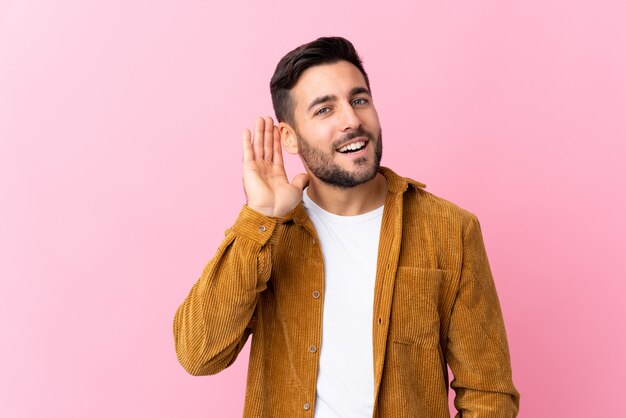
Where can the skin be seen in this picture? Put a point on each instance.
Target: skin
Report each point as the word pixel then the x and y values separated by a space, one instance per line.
pixel 333 107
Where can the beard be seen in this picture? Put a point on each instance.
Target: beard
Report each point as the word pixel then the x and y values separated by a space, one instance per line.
pixel 323 167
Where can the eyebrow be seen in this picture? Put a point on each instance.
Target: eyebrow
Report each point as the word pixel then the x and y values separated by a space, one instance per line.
pixel 359 90
pixel 320 100
pixel 331 97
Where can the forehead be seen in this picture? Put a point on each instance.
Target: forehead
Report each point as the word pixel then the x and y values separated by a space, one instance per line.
pixel 336 79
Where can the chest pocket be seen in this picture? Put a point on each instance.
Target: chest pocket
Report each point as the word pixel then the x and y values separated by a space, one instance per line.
pixel 414 313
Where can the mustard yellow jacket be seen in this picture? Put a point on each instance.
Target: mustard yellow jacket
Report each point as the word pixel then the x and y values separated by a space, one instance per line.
pixel 435 306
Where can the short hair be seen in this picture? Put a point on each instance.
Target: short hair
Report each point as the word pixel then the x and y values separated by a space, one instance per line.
pixel 325 50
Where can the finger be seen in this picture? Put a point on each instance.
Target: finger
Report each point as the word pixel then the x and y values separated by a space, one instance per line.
pixel 278 152
pixel 248 152
pixel 301 180
pixel 268 139
pixel 257 143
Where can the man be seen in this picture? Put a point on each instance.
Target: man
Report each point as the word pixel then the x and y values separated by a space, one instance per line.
pixel 359 290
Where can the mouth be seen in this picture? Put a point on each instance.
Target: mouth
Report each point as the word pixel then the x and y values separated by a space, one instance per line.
pixel 353 147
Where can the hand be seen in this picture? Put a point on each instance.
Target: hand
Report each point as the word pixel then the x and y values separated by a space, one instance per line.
pixel 264 178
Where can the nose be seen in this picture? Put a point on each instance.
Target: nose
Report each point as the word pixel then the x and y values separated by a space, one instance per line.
pixel 350 119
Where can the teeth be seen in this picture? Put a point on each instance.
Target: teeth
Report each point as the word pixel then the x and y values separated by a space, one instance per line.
pixel 352 147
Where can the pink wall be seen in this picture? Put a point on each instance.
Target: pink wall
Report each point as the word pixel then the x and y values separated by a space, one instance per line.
pixel 120 169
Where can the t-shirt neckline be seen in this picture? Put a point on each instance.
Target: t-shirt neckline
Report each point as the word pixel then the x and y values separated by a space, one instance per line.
pixel 310 205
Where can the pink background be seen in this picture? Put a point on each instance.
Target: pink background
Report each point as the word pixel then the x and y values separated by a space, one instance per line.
pixel 120 160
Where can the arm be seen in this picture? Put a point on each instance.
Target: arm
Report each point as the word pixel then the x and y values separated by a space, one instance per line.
pixel 477 349
pixel 215 320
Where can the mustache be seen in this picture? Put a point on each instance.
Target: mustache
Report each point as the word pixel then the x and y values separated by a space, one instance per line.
pixel 359 132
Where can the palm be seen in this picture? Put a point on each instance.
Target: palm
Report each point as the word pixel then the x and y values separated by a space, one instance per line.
pixel 265 181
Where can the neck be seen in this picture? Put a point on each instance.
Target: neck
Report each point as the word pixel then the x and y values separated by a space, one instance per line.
pixel 351 201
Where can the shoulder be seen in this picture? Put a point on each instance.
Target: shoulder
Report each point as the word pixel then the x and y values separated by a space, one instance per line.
pixel 423 207
pixel 434 226
pixel 433 205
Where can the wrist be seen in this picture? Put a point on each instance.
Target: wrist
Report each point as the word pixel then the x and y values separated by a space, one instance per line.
pixel 263 210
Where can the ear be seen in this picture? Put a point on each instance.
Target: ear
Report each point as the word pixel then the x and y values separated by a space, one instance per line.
pixel 288 138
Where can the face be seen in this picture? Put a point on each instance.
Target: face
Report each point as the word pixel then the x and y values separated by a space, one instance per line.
pixel 336 130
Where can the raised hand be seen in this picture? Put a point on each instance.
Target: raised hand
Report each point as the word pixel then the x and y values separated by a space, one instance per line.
pixel 264 178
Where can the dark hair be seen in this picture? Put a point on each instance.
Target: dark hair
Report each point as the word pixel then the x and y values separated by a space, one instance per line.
pixel 327 50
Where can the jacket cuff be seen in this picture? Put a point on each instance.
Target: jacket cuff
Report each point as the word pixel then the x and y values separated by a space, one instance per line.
pixel 256 226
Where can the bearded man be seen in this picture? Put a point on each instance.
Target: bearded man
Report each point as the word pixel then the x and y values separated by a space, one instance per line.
pixel 358 287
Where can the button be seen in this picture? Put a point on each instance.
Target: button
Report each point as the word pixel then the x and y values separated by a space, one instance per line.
pixel 306 406
pixel 262 228
pixel 316 294
pixel 314 241
pixel 312 349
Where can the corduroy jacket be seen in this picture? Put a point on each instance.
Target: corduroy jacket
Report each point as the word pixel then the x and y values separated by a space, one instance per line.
pixel 435 306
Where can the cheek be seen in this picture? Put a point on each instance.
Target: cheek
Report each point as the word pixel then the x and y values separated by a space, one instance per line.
pixel 319 136
pixel 373 119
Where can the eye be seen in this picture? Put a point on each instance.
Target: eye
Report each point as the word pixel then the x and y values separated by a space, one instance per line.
pixel 359 102
pixel 322 111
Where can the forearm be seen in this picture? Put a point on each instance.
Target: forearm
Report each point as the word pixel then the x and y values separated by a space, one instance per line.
pixel 216 318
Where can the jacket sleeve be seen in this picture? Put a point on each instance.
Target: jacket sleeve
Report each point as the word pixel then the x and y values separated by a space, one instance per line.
pixel 477 349
pixel 214 322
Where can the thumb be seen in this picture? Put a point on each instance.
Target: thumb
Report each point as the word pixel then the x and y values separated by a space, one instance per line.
pixel 301 180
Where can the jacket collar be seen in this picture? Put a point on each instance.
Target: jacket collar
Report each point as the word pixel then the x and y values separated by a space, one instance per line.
pixel 395 185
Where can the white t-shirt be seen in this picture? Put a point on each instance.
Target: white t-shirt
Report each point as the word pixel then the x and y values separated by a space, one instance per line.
pixel 345 382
